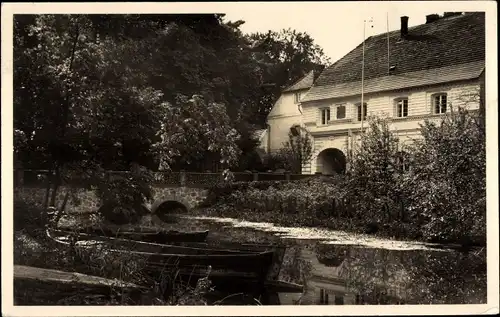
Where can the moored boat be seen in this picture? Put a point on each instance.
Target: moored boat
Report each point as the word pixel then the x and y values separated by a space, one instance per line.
pixel 188 260
pixel 148 235
pixel 88 240
pixel 279 251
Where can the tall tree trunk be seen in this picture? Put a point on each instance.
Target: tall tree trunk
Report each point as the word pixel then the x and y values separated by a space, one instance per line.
pixel 47 190
pixel 60 211
pixel 56 183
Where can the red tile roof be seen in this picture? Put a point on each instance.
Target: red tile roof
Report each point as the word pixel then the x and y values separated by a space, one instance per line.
pixel 446 42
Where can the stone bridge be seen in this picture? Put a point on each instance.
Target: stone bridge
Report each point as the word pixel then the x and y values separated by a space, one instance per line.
pixel 180 190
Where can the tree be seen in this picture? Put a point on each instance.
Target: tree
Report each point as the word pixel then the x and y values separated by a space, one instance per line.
pixel 372 175
pixel 448 177
pixel 297 150
pixel 189 137
pixel 284 57
pixel 81 99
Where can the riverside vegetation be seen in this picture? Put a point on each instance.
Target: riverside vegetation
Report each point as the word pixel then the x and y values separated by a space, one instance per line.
pixel 33 248
pixel 433 190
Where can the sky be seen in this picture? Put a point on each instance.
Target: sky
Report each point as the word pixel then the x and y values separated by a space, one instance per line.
pixel 335 26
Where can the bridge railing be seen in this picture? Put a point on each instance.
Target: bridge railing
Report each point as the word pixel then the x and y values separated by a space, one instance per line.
pixel 189 179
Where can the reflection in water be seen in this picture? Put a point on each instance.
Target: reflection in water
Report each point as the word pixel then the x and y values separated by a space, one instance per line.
pixel 346 275
pixel 336 274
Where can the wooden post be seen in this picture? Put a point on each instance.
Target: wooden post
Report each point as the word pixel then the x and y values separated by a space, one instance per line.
pixel 287 176
pixel 255 177
pixel 19 177
pixel 182 178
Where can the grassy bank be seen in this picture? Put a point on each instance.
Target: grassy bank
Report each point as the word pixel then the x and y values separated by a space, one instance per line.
pixel 320 202
pixel 33 248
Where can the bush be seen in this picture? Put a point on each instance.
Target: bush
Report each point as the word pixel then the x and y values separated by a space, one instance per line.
pixel 372 182
pixel 448 178
pixel 436 192
pixel 123 196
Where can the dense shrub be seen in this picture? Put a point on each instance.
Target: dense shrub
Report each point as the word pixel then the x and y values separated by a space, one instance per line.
pixel 123 195
pixel 436 192
pixel 448 178
pixel 372 182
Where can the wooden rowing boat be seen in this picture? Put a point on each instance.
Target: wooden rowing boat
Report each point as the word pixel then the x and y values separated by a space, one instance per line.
pixel 148 235
pixel 187 260
pixel 196 260
pixel 82 239
pixel 279 251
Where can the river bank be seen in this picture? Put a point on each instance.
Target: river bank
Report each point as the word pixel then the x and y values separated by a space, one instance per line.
pixel 335 267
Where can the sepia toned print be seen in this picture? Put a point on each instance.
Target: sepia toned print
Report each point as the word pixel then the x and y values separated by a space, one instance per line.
pixel 196 159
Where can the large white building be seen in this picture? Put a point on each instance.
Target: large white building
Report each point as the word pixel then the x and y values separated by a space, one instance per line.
pixel 424 72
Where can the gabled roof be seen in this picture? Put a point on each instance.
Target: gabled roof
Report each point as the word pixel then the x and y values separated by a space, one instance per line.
pixel 303 83
pixel 446 43
pixel 394 82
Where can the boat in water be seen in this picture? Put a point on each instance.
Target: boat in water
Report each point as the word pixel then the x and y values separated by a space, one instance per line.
pixel 147 234
pixel 187 261
pixel 253 265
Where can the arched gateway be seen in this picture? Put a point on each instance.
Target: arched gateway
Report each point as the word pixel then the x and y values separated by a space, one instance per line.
pixel 331 161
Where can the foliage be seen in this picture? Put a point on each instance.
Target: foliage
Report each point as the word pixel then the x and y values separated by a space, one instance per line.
pixel 123 196
pixel 275 161
pixel 434 190
pixel 297 151
pixel 448 177
pixel 284 199
pixel 372 179
pixel 190 137
pixel 285 57
pixel 99 87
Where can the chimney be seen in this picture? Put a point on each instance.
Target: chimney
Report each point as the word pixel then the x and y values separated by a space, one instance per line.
pixel 431 18
pixel 450 14
pixel 404 26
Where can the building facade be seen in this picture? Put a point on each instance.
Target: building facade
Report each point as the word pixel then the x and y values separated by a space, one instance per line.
pixel 409 75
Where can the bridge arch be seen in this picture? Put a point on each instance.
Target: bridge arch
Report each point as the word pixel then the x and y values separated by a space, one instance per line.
pixel 164 208
pixel 169 204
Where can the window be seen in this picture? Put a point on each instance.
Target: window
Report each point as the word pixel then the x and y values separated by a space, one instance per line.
pixel 295 130
pixel 365 106
pixel 325 115
pixel 402 107
pixel 440 102
pixel 402 161
pixel 297 97
pixel 340 111
pixel 323 297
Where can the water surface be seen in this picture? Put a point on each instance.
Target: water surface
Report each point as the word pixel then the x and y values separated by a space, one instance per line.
pixel 339 268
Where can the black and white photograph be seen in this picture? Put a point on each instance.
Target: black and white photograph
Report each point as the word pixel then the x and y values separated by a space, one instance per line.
pixel 274 158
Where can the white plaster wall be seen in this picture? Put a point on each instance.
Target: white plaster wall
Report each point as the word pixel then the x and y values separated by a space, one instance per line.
pixel 282 117
pixel 419 100
pixel 407 129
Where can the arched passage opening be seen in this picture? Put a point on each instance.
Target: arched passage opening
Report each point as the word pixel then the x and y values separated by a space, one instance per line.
pixel 331 161
pixel 168 208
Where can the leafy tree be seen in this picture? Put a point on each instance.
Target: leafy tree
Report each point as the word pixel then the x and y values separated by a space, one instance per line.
pixel 285 57
pixel 448 177
pixel 297 150
pixel 81 99
pixel 191 137
pixel 372 175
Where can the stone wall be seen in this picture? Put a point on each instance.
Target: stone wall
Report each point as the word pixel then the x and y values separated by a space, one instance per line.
pixel 86 201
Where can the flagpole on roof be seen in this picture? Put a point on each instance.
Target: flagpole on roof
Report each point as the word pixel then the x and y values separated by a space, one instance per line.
pixel 388 48
pixel 362 79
